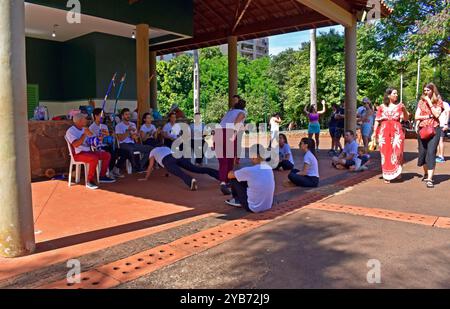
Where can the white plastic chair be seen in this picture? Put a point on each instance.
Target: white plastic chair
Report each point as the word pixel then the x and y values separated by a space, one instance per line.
pixel 78 164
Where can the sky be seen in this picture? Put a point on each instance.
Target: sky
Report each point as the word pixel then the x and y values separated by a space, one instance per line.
pixel 279 43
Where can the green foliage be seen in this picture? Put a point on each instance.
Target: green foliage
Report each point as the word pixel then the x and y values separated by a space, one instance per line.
pixel 281 83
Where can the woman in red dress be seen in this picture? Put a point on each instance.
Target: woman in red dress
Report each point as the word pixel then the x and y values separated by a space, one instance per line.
pixel 390 135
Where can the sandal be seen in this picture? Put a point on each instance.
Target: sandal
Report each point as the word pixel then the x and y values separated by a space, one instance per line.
pixel 430 183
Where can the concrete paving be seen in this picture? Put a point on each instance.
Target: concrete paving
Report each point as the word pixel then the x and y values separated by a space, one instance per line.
pixel 315 249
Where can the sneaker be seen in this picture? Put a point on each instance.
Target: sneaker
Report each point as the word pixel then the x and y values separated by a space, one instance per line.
pixel 91 186
pixel 107 180
pixel 194 186
pixel 116 173
pixel 440 160
pixel 429 183
pixel 233 202
pixel 224 189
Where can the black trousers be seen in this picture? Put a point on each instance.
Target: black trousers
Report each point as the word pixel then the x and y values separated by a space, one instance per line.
pixel 118 157
pixel 428 149
pixel 197 150
pixel 175 166
pixel 303 181
pixel 239 191
pixel 129 149
pixel 286 165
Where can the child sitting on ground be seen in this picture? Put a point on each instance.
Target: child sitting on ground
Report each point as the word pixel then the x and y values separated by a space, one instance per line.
pixel 361 161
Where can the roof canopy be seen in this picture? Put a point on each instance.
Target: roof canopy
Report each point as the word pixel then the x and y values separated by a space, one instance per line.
pixel 215 20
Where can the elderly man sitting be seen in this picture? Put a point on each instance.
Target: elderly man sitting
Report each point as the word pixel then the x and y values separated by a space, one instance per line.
pixel 77 136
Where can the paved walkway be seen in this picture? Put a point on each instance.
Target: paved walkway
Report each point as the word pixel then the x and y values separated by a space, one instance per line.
pixel 149 237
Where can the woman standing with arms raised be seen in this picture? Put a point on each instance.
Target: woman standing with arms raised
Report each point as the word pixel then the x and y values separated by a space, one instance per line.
pixel 429 110
pixel 389 133
pixel 314 124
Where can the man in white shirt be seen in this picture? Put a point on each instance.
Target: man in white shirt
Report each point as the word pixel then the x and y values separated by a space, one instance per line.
pixel 443 120
pixel 253 188
pixel 275 122
pixel 127 136
pixel 170 130
pixel 164 157
pixel 198 138
pixel 77 136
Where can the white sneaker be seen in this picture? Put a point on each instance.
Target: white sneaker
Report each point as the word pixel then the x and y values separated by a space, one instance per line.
pixel 194 186
pixel 233 202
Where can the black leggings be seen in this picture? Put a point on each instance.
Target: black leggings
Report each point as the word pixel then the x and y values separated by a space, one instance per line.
pixel 427 150
pixel 239 191
pixel 118 157
pixel 303 181
pixel 286 165
pixel 175 166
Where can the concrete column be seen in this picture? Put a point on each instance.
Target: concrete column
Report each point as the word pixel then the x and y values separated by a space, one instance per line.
pixel 153 82
pixel 313 68
pixel 143 68
pixel 350 78
pixel 16 212
pixel 232 69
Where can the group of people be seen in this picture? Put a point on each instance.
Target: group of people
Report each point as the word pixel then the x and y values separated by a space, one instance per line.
pixel 252 188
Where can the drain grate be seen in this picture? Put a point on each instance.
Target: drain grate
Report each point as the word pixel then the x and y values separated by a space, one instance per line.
pixel 378 213
pixel 89 280
pixel 143 263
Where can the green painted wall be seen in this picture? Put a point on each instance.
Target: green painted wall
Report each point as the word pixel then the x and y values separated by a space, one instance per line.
pixel 44 63
pixel 172 15
pixel 82 68
pixel 115 54
pixel 78 68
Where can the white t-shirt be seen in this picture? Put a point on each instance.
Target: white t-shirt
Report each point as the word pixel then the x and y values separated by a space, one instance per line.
pixel 230 117
pixel 443 119
pixel 151 129
pixel 351 149
pixel 96 129
pixel 73 134
pixel 261 186
pixel 311 160
pixel 274 125
pixel 121 128
pixel 172 131
pixel 197 131
pixel 286 149
pixel 159 153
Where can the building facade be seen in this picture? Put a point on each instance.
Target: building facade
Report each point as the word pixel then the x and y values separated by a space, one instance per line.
pixel 252 49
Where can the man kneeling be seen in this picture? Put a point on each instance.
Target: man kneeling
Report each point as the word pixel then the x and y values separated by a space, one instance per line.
pixel 77 136
pixel 253 187
pixel 164 157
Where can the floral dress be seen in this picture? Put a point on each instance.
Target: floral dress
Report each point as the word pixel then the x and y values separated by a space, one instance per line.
pixel 391 140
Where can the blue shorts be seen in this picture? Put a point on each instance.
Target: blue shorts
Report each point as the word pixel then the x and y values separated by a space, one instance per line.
pixel 366 130
pixel 332 131
pixel 314 128
pixel 339 132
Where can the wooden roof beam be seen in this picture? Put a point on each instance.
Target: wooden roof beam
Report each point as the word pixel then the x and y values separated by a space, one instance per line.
pixel 236 24
pixel 331 10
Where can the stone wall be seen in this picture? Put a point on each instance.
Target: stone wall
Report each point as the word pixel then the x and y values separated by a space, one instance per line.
pixel 48 148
